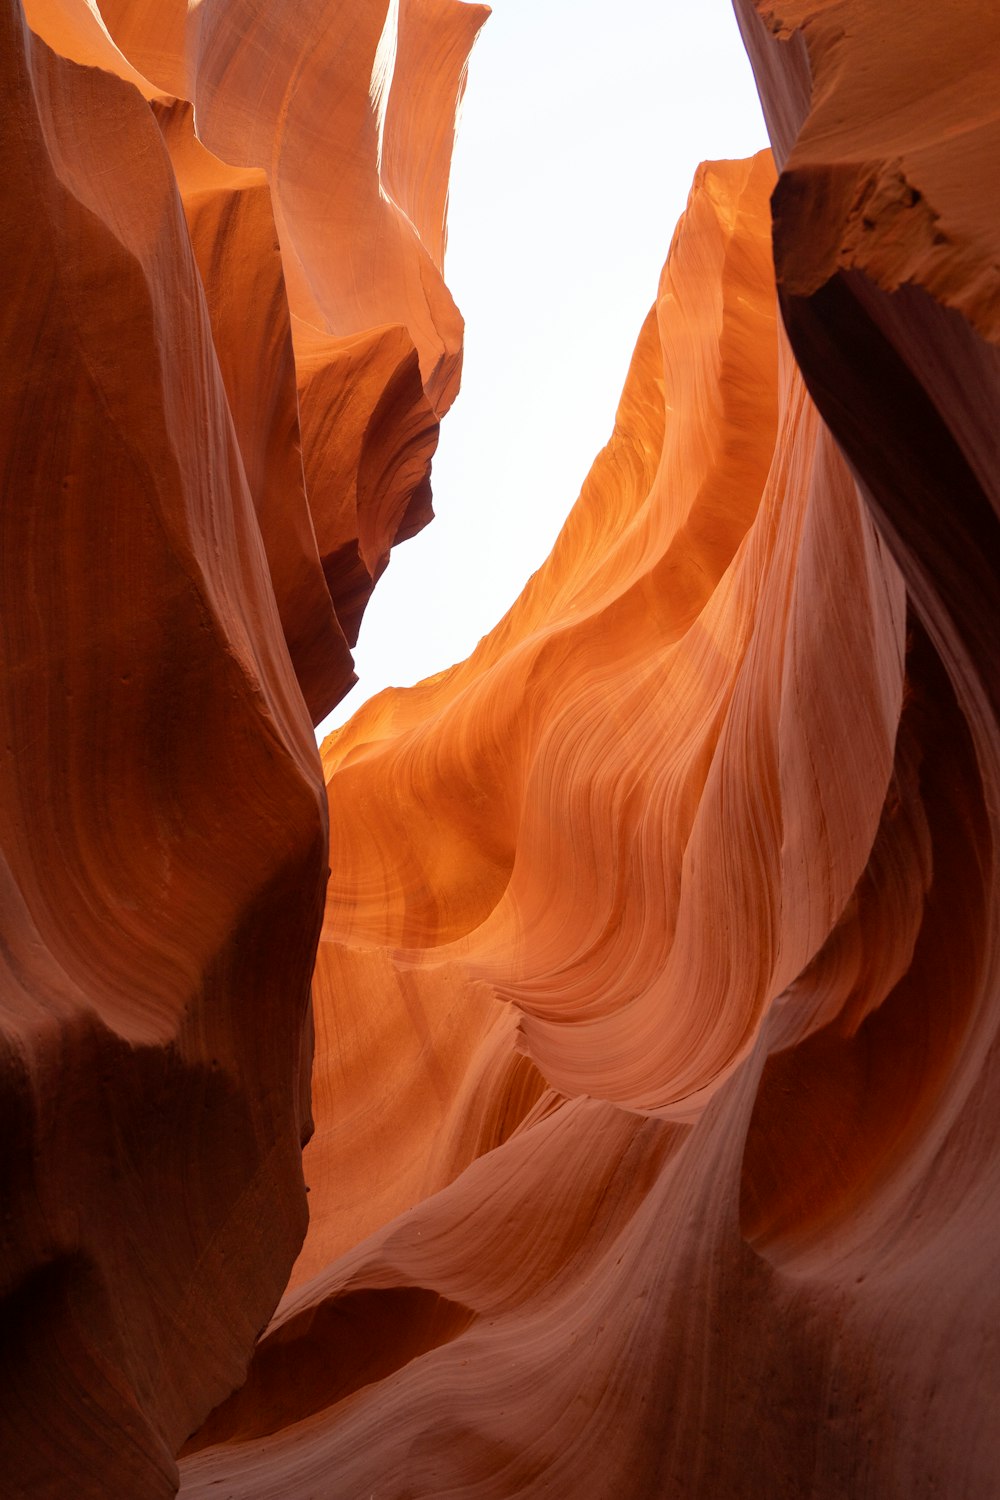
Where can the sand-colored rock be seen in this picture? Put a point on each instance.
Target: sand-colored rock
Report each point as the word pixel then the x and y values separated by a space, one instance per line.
pixel 346 114
pixel 168 636
pixel 368 436
pixel 228 213
pixel 163 836
pixel 888 264
pixel 358 169
pixel 712 812
pixel 655 994
pixel 696 813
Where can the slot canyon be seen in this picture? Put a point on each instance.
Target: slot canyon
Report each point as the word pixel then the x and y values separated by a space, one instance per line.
pixel 579 1077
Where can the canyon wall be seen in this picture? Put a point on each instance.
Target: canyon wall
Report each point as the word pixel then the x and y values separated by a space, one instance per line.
pixel 219 409
pixel 654 1100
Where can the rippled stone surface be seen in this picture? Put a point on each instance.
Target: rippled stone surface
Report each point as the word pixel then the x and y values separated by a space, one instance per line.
pixel 174 547
pixel 655 988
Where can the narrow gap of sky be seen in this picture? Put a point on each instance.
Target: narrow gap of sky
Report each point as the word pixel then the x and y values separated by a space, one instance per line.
pixel 582 127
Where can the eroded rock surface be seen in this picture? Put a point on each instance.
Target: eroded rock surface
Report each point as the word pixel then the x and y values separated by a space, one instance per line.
pixel 655 999
pixel 674 905
pixel 174 621
pixel 661 918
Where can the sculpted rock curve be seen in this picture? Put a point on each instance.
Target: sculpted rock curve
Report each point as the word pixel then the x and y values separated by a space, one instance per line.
pixel 631 907
pixel 170 631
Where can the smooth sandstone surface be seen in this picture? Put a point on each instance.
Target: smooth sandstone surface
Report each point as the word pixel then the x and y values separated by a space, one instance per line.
pixel 711 1211
pixel 653 1102
pixel 172 626
pixel 163 837
pixel 637 1034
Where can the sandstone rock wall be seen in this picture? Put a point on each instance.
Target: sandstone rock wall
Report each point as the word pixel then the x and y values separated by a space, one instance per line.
pixel 709 1209
pixel 182 561
pixel 654 985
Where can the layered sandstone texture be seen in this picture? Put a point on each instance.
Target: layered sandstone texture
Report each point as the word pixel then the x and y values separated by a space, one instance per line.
pixel 656 1004
pixel 656 996
pixel 226 347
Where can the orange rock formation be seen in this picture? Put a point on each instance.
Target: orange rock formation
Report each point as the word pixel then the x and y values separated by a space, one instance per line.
pixel 185 550
pixel 655 1000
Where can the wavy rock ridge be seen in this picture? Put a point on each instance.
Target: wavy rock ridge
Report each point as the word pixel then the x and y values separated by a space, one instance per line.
pixel 655 1000
pixel 218 416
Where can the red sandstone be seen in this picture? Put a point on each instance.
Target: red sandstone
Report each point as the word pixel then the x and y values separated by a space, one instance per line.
pixel 652 1122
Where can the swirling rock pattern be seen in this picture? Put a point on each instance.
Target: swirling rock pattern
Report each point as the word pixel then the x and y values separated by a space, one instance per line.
pixel 172 624
pixel 655 1001
pixel 652 1036
pixel 709 1211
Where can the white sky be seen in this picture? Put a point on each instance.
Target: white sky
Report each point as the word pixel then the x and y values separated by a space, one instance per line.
pixel 582 127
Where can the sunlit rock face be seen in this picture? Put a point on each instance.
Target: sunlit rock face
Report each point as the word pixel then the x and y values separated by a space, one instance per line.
pixel 211 213
pixel 654 1088
pixel 649 1003
pixel 656 999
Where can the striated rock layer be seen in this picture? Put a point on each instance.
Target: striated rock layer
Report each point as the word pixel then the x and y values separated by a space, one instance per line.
pixel 655 1000
pixel 652 1023
pixel 187 543
pixel 655 1083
